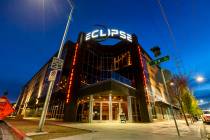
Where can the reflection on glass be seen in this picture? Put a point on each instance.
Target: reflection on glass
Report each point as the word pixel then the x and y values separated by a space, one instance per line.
pixel 85 111
pixel 96 111
pixel 105 111
pixel 115 111
pixel 124 110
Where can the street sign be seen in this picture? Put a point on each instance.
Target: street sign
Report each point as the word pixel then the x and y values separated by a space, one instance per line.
pixel 159 60
pixel 57 64
pixel 52 75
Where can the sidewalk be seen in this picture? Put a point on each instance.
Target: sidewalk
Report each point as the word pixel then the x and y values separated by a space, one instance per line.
pixel 135 131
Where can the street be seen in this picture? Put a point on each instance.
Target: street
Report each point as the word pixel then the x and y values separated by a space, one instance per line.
pixel 6 133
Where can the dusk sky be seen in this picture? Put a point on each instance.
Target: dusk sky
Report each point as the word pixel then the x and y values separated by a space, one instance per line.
pixel 31 32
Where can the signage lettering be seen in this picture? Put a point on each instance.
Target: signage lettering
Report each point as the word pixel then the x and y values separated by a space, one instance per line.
pixel 112 33
pixel 159 60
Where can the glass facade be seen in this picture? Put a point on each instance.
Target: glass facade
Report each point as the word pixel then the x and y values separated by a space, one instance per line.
pixel 98 67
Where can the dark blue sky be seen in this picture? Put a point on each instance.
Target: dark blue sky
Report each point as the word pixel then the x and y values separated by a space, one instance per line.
pixel 31 31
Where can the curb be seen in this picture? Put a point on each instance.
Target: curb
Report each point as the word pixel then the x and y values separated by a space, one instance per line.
pixel 19 133
pixel 71 127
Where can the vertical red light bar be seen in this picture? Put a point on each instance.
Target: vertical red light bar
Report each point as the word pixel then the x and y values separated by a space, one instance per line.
pixel 142 65
pixel 71 74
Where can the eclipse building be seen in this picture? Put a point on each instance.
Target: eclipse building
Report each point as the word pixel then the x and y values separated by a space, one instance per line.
pixel 99 82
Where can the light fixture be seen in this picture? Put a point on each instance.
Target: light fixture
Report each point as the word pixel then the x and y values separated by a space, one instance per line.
pixel 172 84
pixel 199 79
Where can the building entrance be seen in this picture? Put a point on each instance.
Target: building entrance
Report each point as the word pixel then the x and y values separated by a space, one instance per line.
pixel 103 108
pixel 106 111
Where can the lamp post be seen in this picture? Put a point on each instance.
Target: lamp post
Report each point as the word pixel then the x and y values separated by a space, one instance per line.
pixel 52 82
pixel 171 108
pixel 156 51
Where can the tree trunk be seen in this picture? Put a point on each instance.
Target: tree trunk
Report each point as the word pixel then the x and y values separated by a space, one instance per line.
pixel 183 111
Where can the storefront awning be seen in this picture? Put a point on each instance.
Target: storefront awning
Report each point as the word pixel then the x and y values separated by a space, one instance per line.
pixel 160 102
pixel 115 86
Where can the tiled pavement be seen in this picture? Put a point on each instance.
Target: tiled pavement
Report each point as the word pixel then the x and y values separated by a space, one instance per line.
pixel 135 131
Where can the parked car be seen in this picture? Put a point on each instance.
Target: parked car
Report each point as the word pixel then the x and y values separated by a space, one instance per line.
pixel 206 116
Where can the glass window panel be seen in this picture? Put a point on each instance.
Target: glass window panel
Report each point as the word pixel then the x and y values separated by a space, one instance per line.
pixel 124 110
pixel 96 111
pixel 115 111
pixel 105 111
pixel 85 111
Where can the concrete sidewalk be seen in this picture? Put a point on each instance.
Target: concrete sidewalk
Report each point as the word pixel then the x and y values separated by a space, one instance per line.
pixel 135 131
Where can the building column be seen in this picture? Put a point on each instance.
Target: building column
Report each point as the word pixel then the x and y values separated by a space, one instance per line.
pixel 110 107
pixel 136 114
pixel 82 111
pixel 91 109
pixel 130 117
pixel 100 111
pixel 120 110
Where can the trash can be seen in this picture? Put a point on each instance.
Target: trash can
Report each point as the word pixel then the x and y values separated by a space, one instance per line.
pixel 122 118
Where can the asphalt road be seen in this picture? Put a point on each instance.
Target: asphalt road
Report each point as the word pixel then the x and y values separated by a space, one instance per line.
pixel 6 133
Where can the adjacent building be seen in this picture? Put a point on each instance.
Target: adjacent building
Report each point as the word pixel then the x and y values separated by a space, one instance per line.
pixel 99 83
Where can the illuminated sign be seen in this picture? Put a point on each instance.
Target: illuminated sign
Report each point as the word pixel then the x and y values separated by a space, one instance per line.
pixel 102 34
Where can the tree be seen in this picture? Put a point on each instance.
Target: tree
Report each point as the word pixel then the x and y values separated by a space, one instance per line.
pixel 187 101
pixel 195 110
pixel 180 84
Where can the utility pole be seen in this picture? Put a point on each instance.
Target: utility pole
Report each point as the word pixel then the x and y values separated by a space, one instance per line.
pixel 171 108
pixel 156 51
pixel 54 73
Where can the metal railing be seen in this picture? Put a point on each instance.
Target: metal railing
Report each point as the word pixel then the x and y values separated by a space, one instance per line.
pixel 118 77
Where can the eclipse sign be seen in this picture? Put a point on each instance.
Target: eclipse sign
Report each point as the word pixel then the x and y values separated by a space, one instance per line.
pixel 101 34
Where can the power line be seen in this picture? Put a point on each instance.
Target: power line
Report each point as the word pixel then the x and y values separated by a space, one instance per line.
pixel 178 61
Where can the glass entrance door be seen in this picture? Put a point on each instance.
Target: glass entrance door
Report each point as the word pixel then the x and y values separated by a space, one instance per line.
pixel 106 108
pixel 96 111
pixel 124 109
pixel 105 111
pixel 115 111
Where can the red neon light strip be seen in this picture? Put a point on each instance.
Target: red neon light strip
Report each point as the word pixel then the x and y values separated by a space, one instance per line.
pixel 142 65
pixel 72 74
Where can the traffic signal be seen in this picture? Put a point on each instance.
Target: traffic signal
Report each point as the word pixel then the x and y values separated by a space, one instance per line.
pixel 156 51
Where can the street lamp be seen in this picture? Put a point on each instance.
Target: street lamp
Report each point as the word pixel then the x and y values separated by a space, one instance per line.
pixel 172 84
pixel 170 98
pixel 51 85
pixel 156 51
pixel 199 79
pixel 201 101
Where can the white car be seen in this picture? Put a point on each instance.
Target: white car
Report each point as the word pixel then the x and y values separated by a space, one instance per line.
pixel 206 116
